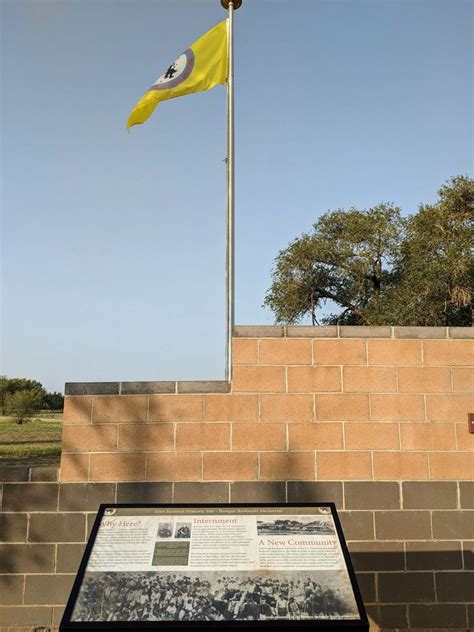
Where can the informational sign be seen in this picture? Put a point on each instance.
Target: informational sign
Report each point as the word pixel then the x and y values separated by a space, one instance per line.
pixel 170 567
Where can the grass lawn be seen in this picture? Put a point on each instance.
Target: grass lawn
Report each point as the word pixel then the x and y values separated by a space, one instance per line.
pixel 35 442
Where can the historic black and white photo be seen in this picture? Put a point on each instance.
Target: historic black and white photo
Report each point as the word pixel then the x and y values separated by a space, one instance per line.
pixel 165 530
pixel 183 530
pixel 296 525
pixel 214 596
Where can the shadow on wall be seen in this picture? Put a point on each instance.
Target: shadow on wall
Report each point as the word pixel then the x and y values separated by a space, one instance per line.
pixel 405 583
pixel 394 598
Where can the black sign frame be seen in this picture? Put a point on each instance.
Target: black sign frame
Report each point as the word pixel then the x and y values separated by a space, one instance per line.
pixel 353 625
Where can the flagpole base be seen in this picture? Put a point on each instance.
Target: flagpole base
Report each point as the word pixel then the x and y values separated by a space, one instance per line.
pixel 236 3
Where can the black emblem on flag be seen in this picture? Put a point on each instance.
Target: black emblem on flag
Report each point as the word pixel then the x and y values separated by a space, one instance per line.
pixel 177 72
pixel 170 73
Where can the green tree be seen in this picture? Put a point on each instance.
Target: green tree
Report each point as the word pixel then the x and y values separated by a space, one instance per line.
pixel 9 386
pixel 348 259
pixel 3 393
pixel 435 272
pixel 24 403
pixel 53 401
pixel 378 268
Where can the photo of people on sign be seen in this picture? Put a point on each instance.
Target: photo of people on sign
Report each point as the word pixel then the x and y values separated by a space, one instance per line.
pixel 183 529
pixel 169 565
pixel 214 596
pixel 164 530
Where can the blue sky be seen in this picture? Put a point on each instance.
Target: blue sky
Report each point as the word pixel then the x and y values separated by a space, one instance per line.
pixel 113 243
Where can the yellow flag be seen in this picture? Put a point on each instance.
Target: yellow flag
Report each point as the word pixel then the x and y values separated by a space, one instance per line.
pixel 201 67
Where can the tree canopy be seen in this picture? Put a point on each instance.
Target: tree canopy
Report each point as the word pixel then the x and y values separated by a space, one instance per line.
pixel 23 404
pixel 10 386
pixel 375 267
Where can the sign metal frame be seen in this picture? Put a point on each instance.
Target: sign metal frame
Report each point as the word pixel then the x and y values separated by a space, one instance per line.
pixel 360 624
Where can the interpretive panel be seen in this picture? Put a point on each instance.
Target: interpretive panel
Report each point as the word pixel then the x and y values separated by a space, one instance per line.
pixel 221 566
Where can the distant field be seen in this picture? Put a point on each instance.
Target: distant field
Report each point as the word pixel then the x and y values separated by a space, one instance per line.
pixel 36 442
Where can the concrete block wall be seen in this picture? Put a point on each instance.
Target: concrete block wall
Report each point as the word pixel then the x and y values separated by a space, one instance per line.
pixel 375 403
pixel 374 419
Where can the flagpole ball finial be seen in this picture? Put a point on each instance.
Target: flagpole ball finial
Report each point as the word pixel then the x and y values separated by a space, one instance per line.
pixel 236 3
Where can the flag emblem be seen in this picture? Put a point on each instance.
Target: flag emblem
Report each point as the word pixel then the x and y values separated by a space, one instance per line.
pixel 178 72
pixel 202 66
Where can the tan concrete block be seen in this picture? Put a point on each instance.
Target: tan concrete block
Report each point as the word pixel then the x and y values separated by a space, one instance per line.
pixel 77 410
pixel 174 466
pixel 230 407
pixel 464 439
pixel 342 407
pixel 451 466
pixel 117 467
pixel 428 436
pixel 420 332
pixel 258 331
pixel 400 466
pixel 449 407
pixel 343 466
pixel 27 558
pixel 285 351
pixel 397 407
pixel 455 525
pixel 361 379
pixel 339 352
pixel 311 331
pixel 210 436
pixel 24 618
pixel 463 380
pixel 394 352
pixel 74 467
pixel 119 408
pixel 44 474
pixel 176 407
pixel 145 492
pixel 314 379
pixel 244 351
pixel 402 525
pixel 461 332
pixel 285 466
pixel 30 497
pixel 145 438
pixel 317 436
pixel 13 526
pixel 286 408
pixel 199 492
pixel 230 466
pixel 372 495
pixel 430 495
pixel 47 589
pixel 371 436
pixel 57 527
pixel 448 352
pixel 259 437
pixel 90 438
pixel 257 492
pixel 424 380
pixel 266 379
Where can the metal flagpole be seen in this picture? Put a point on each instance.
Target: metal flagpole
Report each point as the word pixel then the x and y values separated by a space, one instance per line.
pixel 230 5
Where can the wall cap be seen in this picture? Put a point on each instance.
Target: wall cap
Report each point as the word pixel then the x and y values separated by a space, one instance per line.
pixel 146 388
pixel 26 474
pixel 350 331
